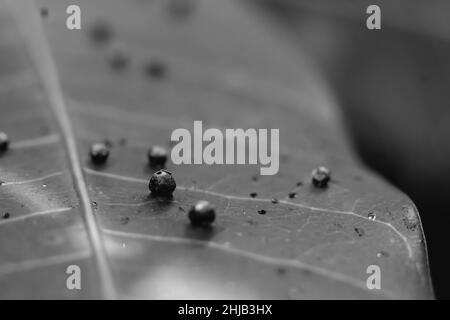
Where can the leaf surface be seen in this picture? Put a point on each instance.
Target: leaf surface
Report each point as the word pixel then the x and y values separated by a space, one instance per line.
pixel 229 69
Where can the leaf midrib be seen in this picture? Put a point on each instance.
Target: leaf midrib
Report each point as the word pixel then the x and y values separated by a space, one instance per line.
pixel 38 48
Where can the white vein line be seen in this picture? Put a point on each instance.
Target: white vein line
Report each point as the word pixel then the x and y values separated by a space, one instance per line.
pixel 120 204
pixel 36 142
pixel 299 205
pixel 250 255
pixel 38 48
pixel 218 182
pixel 28 265
pixel 138 204
pixel 54 174
pixel 34 214
pixel 114 176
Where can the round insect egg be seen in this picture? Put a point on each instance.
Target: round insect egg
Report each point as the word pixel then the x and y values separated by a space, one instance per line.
pixel 162 183
pixel 101 32
pixel 157 157
pixel 320 177
pixel 44 12
pixel 4 141
pixel 99 153
pixel 202 214
pixel 180 9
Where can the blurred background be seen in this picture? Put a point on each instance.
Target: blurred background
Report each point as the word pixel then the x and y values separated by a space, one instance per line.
pixel 393 90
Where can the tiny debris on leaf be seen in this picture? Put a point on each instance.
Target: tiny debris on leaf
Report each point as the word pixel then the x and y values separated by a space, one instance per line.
pixel 6 215
pixel 124 220
pixel 202 214
pixel 274 200
pixel 292 194
pixel 359 231
pixel 262 211
pixel 382 254
pixel 253 194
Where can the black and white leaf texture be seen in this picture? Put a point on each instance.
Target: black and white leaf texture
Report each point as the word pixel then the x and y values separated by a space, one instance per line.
pixel 230 69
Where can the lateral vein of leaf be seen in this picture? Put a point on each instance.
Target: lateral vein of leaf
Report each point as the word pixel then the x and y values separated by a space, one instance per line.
pixel 254 256
pixel 34 214
pixel 28 265
pixel 36 142
pixel 51 175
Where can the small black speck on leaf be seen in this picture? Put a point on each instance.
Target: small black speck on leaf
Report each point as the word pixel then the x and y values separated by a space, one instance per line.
pixel 162 183
pixel 320 177
pixel 337 225
pixel 124 220
pixel 262 211
pixel 359 231
pixel 157 157
pixel 202 214
pixel 292 194
pixel 382 254
pixel 253 194
pixel 99 153
pixel 274 200
pixel 255 178
pixel 6 215
pixel 4 142
pixel 299 184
